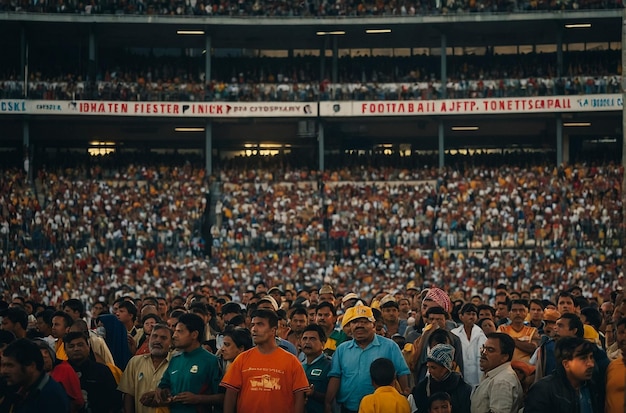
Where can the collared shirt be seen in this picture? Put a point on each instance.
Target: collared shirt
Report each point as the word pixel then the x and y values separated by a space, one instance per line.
pixel 196 371
pixel 317 374
pixel 499 391
pixel 351 364
pixel 140 377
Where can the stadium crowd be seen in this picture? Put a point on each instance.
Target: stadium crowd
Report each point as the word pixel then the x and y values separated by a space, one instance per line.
pixel 142 78
pixel 260 8
pixel 316 350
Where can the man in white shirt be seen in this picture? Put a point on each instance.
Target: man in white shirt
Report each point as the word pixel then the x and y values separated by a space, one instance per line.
pixel 499 390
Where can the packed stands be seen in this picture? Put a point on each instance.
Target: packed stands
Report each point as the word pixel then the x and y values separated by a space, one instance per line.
pixel 96 228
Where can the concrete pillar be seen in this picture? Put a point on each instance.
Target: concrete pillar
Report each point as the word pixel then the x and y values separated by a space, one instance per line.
pixel 208 148
pixel 24 59
pixel 444 68
pixel 559 139
pixel 320 143
pixel 207 60
pixel 442 149
pixel 559 53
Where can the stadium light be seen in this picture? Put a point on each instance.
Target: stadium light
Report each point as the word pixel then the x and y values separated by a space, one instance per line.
pixel 576 124
pixel 377 31
pixel 464 128
pixel 578 26
pixel 334 33
pixel 185 129
pixel 190 32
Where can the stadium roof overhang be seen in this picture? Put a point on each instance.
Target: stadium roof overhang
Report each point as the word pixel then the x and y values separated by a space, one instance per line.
pixel 462 30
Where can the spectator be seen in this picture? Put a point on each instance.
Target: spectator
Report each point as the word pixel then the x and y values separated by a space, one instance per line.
pixel 385 397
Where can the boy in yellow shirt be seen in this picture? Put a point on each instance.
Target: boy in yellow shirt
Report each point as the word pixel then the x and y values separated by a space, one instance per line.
pixel 385 397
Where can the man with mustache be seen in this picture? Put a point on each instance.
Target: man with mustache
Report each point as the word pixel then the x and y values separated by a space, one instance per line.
pixel 143 373
pixel 570 388
pixel 499 390
pixel 316 366
pixel 349 379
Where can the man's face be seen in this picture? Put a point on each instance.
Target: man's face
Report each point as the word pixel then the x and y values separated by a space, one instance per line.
pixel 440 406
pixel 549 328
pixel 42 327
pixel 123 315
pixel 311 343
pixel 565 305
pixel 312 315
pixel 47 360
pixel 77 350
pixel 298 323
pixel 160 342
pixel 426 305
pixel 518 313
pixel 59 328
pixel 502 310
pixel 261 331
pixel 7 324
pixel 405 306
pixel 477 301
pixel 436 370
pixel 581 366
pixel 491 355
pixel 327 297
pixel 13 372
pixel 562 329
pixel 485 314
pixel 390 314
pixel 437 320
pixel 183 338
pixel 96 310
pixel 73 313
pixel 177 302
pixel 536 312
pixel 325 318
pixel 606 309
pixel 363 330
pixel 468 318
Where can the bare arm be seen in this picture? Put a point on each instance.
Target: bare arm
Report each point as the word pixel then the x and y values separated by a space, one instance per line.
pixel 331 393
pixel 230 401
pixel 299 402
pixel 129 403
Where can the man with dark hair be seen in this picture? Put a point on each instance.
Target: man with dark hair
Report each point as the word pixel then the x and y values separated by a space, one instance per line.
pixel 126 312
pixel 390 310
pixel 298 321
pixel 526 337
pixel 565 302
pixel 385 397
pixel 570 325
pixel 503 306
pixel 326 317
pixel 265 379
pixel 15 320
pixel 486 311
pixel 144 372
pixel 499 390
pixel 74 308
pixel 61 323
pixel 569 389
pixel 22 367
pixel 472 339
pixel 192 376
pixel 96 380
pixel 316 366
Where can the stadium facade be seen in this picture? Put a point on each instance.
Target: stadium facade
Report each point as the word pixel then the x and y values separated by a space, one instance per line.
pixel 311 125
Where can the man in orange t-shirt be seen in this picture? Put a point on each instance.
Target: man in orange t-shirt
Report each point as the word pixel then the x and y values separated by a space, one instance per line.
pixel 266 378
pixel 526 338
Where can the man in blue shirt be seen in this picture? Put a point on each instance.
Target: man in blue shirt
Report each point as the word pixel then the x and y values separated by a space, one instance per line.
pixel 349 374
pixel 192 376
